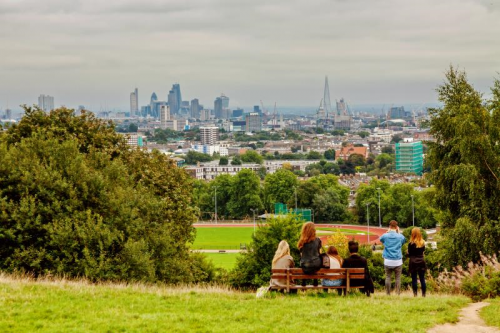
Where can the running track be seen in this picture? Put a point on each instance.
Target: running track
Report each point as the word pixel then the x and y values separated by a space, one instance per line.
pixel 376 232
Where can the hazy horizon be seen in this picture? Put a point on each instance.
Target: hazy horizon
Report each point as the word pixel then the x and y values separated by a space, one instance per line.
pixel 95 53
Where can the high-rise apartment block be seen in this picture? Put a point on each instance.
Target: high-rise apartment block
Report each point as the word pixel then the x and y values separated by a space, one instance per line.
pixel 46 102
pixel 164 115
pixel 221 107
pixel 253 122
pixel 134 103
pixel 204 114
pixel 209 135
pixel 409 157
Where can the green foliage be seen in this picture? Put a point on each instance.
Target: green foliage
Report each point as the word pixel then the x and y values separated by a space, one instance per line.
pixel 388 150
pixel 253 268
pixel 75 200
pixel 133 128
pixel 407 233
pixel 465 163
pixel 193 157
pixel 329 154
pixel 223 160
pixel 236 160
pixel 252 156
pixel 279 187
pixel 245 194
pixel 397 138
pixel 326 196
pixel 314 155
pixel 340 241
pixel 363 134
pixel 490 313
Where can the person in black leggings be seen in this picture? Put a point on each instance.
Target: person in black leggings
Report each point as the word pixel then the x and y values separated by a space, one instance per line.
pixel 416 250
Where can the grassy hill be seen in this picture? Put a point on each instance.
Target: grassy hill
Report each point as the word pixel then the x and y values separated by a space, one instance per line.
pixel 63 306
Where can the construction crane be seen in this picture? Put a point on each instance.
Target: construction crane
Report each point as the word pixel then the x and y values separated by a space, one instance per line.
pixel 264 111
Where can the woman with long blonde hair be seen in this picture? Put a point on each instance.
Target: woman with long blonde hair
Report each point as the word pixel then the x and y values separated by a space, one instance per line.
pixel 282 259
pixel 416 250
pixel 310 247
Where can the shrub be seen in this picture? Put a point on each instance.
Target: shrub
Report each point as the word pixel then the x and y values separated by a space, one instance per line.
pixel 340 241
pixel 478 281
pixel 253 268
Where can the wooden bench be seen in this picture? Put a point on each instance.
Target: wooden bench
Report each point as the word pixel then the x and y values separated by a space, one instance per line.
pixel 290 274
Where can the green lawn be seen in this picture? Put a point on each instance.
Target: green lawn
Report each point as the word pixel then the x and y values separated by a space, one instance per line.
pixel 490 314
pixel 222 238
pixel 78 307
pixel 223 260
pixel 344 231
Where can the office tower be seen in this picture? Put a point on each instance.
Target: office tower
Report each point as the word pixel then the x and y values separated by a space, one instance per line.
pixel 237 113
pixel 253 122
pixel 164 115
pixel 175 99
pixel 218 107
pixel 46 103
pixel 204 114
pixel 397 112
pixel 221 107
pixel 341 108
pixel 195 108
pixel 409 157
pixel 327 105
pixel 8 114
pixel 209 135
pixel 134 103
pixel 225 101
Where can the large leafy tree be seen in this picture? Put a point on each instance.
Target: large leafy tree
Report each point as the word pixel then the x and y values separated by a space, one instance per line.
pixel 280 187
pixel 245 194
pixel 465 162
pixel 75 200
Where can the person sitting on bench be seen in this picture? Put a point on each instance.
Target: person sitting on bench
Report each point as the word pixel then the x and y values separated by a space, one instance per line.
pixel 309 246
pixel 357 261
pixel 335 262
pixel 282 259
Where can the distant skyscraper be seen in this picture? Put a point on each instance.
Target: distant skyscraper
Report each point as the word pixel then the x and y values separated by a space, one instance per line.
pixel 46 103
pixel 221 107
pixel 164 115
pixel 175 98
pixel 397 112
pixel 237 113
pixel 342 108
pixel 253 122
pixel 8 114
pixel 153 99
pixel 134 103
pixel 195 108
pixel 327 104
pixel 209 135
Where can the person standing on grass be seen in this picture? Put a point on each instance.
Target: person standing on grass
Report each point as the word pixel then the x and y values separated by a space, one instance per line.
pixel 282 260
pixel 416 250
pixel 393 258
pixel 310 247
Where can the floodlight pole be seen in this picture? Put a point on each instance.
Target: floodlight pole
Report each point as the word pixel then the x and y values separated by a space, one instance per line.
pixel 368 220
pixel 413 209
pixel 215 204
pixel 379 216
pixel 253 211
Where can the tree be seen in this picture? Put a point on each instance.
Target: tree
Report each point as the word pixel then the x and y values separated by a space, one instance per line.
pixel 357 160
pixel 223 160
pixel 253 268
pixel 252 156
pixel 384 160
pixel 388 150
pixel 236 160
pixel 193 157
pixel 75 200
pixel 396 138
pixel 245 194
pixel 363 134
pixel 329 154
pixel 279 187
pixel 465 162
pixel 132 128
pixel 314 155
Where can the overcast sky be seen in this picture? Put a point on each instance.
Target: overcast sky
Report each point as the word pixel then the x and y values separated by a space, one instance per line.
pixel 94 52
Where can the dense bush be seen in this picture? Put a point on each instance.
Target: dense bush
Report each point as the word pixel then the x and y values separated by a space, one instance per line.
pixel 75 200
pixel 253 268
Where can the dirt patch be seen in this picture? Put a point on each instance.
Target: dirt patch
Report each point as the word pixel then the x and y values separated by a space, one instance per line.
pixel 469 322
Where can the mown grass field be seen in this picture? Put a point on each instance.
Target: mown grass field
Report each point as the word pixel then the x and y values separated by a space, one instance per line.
pixel 491 313
pixel 232 237
pixel 348 232
pixel 222 237
pixel 27 306
pixel 223 260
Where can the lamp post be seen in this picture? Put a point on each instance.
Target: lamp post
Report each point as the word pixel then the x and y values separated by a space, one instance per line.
pixel 368 220
pixel 295 199
pixel 379 216
pixel 215 204
pixel 312 210
pixel 253 211
pixel 413 209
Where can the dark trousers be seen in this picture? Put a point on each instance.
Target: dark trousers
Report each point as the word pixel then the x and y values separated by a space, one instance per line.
pixel 421 276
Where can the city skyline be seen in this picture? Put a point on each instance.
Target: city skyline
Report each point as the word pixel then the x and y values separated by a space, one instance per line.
pixel 93 53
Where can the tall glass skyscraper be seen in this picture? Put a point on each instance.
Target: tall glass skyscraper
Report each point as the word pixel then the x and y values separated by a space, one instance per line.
pixel 175 98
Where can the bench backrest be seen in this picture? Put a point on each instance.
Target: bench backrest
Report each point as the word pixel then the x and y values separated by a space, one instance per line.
pixel 324 273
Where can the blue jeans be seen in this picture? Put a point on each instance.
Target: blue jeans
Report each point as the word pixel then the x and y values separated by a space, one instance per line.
pixel 332 283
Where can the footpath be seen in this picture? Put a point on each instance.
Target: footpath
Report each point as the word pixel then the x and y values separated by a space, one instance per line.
pixel 469 322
